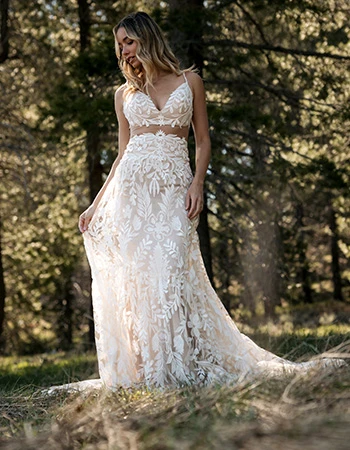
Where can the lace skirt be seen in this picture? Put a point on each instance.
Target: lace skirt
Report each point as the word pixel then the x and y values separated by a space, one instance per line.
pixel 158 320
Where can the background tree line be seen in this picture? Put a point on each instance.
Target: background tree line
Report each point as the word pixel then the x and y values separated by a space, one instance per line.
pixel 275 228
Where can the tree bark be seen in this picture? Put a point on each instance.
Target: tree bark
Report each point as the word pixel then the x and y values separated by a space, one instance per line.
pixel 187 43
pixel 2 291
pixel 4 30
pixel 303 269
pixel 4 53
pixel 84 24
pixel 269 235
pixel 224 256
pixel 204 240
pixel 336 275
pixel 66 312
pixel 268 263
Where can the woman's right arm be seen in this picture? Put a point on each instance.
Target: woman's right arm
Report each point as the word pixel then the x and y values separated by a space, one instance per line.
pixel 123 139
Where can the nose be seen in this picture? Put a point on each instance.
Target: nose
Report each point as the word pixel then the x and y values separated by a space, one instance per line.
pixel 125 51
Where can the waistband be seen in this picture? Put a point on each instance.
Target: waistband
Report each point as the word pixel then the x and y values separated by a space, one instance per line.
pixel 158 143
pixel 158 135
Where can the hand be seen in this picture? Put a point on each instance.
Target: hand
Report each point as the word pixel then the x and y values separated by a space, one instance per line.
pixel 194 200
pixel 85 218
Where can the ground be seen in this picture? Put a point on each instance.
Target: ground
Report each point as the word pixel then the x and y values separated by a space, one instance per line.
pixel 305 411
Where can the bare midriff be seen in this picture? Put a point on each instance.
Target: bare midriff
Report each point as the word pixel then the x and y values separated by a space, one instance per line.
pixel 181 132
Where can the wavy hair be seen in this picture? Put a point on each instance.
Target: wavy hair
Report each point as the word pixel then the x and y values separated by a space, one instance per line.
pixel 152 51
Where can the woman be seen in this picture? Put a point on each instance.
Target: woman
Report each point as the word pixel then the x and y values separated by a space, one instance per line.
pixel 158 320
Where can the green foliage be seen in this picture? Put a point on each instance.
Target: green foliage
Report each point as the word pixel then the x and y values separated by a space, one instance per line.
pixel 278 103
pixel 61 93
pixel 45 370
pixel 278 121
pixel 44 249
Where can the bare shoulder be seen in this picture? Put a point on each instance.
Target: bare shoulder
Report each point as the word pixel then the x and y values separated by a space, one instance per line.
pixel 194 79
pixel 119 95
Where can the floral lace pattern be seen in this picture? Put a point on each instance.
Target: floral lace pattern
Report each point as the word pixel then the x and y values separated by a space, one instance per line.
pixel 158 320
pixel 140 110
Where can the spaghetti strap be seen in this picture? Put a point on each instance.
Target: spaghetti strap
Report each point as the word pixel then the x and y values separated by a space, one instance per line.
pixel 158 320
pixel 183 73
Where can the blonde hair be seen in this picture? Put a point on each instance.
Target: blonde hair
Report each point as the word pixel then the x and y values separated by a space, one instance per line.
pixel 152 51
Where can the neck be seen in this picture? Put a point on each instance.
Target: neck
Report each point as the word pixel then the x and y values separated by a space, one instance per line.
pixel 160 74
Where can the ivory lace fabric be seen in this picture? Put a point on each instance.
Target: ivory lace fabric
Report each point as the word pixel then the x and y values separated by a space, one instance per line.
pixel 140 110
pixel 158 320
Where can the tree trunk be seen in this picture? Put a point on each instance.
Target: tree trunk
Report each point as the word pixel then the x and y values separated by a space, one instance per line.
pixel 225 265
pixel 268 263
pixel 204 239
pixel 4 30
pixel 2 292
pixel 4 53
pixel 84 24
pixel 92 133
pixel 336 276
pixel 187 42
pixel 269 235
pixel 186 36
pixel 66 312
pixel 303 274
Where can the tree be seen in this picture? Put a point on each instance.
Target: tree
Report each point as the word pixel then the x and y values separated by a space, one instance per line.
pixel 267 100
pixel 4 30
pixel 4 52
pixel 185 24
pixel 277 187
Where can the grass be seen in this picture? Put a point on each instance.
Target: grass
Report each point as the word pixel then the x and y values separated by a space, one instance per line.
pixel 302 411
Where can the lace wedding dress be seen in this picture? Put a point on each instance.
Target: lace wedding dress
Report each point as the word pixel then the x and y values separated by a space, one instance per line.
pixel 158 321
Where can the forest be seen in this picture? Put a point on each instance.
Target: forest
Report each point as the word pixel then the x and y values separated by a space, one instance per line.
pixel 274 231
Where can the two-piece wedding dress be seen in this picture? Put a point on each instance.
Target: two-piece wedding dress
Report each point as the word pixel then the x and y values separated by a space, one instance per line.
pixel 158 321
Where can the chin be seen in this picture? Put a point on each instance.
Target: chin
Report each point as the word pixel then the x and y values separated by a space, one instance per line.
pixel 136 65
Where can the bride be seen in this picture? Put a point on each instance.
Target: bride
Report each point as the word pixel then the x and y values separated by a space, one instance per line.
pixel 158 320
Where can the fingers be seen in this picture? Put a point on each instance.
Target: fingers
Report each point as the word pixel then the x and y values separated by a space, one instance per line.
pixel 85 218
pixel 196 206
pixel 83 223
pixel 87 221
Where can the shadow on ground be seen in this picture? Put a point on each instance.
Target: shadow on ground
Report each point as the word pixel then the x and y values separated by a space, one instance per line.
pixel 45 370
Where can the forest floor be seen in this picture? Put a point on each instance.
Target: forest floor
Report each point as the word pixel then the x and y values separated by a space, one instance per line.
pixel 309 411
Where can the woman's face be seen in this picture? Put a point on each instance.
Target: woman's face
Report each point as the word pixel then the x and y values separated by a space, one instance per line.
pixel 127 48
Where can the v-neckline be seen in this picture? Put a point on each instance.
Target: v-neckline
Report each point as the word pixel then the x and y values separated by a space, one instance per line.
pixel 166 103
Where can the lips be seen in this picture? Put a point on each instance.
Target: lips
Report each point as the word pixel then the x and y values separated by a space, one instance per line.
pixel 130 59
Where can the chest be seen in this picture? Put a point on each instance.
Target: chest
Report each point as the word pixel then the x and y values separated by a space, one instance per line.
pixel 140 109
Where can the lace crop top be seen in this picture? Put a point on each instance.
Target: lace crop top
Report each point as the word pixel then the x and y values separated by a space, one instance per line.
pixel 140 110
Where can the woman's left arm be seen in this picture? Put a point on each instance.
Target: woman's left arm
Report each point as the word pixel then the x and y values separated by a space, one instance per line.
pixel 194 197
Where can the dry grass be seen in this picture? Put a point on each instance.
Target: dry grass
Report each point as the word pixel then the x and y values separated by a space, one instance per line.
pixel 305 411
